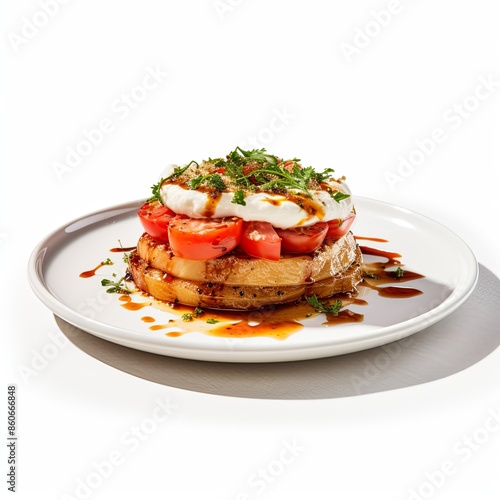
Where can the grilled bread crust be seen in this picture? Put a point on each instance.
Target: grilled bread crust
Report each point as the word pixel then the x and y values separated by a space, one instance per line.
pixel 332 258
pixel 238 282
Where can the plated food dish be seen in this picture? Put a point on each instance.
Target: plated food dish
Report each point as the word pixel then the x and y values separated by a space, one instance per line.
pixel 246 231
pixel 84 272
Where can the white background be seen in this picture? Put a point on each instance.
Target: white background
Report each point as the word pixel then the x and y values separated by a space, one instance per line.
pixel 281 71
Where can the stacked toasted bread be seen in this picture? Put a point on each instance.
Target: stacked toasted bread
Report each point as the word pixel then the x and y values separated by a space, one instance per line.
pixel 238 281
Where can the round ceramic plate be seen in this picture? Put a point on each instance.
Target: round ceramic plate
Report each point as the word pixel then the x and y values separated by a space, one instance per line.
pixel 449 268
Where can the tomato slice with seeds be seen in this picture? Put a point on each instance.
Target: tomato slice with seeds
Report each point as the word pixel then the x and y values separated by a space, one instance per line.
pixel 260 239
pixel 302 239
pixel 203 239
pixel 155 218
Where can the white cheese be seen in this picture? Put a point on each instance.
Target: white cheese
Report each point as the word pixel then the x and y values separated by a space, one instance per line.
pixel 280 211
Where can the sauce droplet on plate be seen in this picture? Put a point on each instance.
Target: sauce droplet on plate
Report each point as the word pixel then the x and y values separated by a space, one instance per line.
pixel 122 249
pixel 91 272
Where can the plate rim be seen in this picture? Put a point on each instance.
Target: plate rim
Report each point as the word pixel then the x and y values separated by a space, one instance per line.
pixel 281 352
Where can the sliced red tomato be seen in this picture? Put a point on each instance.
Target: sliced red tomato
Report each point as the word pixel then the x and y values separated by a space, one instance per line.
pixel 155 218
pixel 260 239
pixel 202 239
pixel 338 228
pixel 302 239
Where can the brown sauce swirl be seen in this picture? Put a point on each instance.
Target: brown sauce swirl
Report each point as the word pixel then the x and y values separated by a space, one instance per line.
pixel 392 257
pixel 380 273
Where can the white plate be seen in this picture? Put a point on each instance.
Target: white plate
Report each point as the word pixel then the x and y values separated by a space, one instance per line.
pixel 428 248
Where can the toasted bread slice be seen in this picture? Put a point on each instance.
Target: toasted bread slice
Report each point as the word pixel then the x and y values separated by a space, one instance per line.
pixel 332 258
pixel 212 294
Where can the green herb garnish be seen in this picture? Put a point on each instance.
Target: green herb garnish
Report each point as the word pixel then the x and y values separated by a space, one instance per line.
pixel 276 177
pixel 338 196
pixel 212 321
pixel 322 307
pixel 254 154
pixel 269 172
pixel 239 197
pixel 178 171
pixel 325 175
pixel 198 311
pixel 126 256
pixel 115 286
pixel 254 170
pixel 213 180
pixel 155 189
pixel 399 272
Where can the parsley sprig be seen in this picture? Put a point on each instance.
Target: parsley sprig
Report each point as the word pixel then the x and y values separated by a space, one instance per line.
pixel 239 197
pixel 212 180
pixel 276 177
pixel 155 189
pixel 259 155
pixel 116 286
pixel 322 307
pixel 338 196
